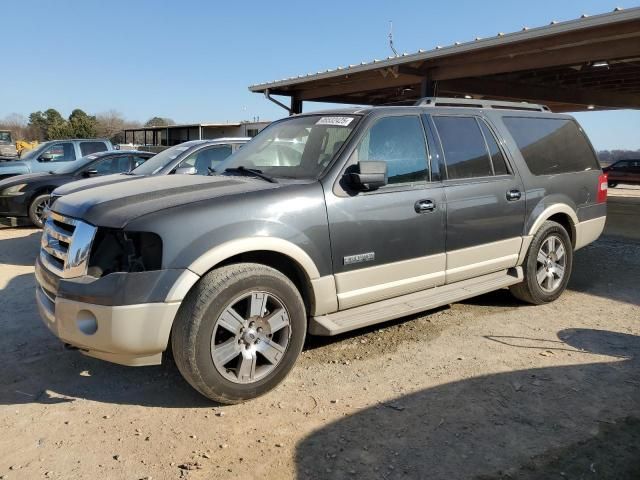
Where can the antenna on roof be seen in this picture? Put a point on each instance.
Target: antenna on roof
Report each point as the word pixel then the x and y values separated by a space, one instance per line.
pixel 391 38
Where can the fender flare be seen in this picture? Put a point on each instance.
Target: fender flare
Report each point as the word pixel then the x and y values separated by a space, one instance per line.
pixel 553 210
pixel 222 252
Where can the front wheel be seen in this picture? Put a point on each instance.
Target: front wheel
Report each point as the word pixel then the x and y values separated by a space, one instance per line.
pixel 239 332
pixel 547 267
pixel 39 208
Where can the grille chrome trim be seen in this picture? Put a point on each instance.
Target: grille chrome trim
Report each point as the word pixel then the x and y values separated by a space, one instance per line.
pixel 65 245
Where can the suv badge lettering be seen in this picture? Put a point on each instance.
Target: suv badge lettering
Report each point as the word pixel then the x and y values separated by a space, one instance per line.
pixel 361 257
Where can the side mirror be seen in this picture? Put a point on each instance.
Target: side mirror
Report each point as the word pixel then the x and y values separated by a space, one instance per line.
pixel 368 175
pixel 90 173
pixel 186 171
pixel 46 157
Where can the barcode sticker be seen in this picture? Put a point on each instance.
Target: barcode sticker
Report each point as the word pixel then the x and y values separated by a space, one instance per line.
pixel 335 121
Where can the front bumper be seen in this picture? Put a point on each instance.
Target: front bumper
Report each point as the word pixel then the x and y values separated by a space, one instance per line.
pixel 133 334
pixel 13 207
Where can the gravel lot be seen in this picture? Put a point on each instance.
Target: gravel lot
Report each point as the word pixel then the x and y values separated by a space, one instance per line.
pixel 484 389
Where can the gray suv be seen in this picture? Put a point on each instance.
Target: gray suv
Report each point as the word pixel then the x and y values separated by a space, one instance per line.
pixel 323 223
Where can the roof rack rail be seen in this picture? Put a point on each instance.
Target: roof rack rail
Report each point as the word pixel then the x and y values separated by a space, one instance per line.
pixel 478 103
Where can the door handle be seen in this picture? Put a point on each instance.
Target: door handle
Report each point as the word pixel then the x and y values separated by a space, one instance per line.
pixel 423 206
pixel 513 195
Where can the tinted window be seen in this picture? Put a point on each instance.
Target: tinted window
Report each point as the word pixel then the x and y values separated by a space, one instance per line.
pixel 111 165
pixel 551 145
pixel 499 163
pixel 60 152
pixel 399 141
pixel 87 148
pixel 465 151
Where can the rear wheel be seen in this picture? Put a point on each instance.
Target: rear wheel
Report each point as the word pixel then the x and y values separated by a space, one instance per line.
pixel 239 332
pixel 547 267
pixel 39 208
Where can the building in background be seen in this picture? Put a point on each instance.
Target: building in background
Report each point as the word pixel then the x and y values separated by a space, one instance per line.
pixel 175 134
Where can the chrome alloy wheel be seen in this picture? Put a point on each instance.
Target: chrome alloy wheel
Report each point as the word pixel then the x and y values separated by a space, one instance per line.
pixel 250 337
pixel 42 209
pixel 551 263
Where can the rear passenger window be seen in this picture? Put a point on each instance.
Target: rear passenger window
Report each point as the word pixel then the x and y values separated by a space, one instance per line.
pixel 87 148
pixel 552 145
pixel 465 151
pixel 499 163
pixel 400 142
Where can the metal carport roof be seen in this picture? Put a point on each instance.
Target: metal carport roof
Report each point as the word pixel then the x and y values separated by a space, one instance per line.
pixel 592 62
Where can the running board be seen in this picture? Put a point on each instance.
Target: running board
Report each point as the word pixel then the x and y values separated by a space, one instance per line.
pixel 370 314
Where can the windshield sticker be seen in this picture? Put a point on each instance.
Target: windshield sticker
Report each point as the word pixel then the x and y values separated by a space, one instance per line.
pixel 335 121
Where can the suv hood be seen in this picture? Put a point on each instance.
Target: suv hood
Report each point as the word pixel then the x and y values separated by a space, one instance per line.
pixel 116 204
pixel 94 182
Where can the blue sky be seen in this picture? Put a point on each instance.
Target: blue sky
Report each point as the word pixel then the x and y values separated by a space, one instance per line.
pixel 193 60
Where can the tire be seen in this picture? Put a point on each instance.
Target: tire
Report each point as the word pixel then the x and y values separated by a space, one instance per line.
pixel 37 208
pixel 225 316
pixel 547 266
pixel 612 184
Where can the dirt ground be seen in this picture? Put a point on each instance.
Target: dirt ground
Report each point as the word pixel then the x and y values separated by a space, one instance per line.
pixel 484 389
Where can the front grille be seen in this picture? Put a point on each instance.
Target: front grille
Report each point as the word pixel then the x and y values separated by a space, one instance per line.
pixel 65 245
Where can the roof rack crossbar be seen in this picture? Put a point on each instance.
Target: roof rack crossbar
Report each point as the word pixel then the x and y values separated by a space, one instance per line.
pixel 479 103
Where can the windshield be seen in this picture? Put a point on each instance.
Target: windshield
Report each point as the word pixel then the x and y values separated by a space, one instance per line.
pixel 5 137
pixel 157 162
pixel 35 152
pixel 299 147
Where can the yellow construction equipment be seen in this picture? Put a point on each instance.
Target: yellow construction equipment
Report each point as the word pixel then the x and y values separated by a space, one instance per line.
pixel 25 146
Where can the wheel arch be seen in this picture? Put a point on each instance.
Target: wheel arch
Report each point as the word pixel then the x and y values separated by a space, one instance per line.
pixel 560 213
pixel 282 255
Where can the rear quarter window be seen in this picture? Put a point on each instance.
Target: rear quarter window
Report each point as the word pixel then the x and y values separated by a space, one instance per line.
pixel 87 148
pixel 552 145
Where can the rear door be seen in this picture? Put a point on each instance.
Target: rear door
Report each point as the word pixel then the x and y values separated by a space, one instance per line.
pixel 390 241
pixel 485 197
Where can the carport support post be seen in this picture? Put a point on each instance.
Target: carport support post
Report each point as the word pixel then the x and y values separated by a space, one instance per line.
pixel 427 87
pixel 296 106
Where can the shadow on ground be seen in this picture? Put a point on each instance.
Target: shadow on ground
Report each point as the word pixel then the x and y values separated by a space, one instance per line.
pixel 573 422
pixel 20 250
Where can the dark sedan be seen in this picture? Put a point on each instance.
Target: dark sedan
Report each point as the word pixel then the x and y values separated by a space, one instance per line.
pixel 24 199
pixel 623 171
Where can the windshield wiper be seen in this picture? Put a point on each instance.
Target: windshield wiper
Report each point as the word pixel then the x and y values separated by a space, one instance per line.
pixel 251 172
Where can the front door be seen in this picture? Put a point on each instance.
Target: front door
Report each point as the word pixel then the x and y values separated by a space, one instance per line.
pixel 390 241
pixel 485 198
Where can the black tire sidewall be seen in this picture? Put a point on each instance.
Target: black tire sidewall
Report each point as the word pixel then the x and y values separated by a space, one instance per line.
pixel 548 229
pixel 32 209
pixel 216 303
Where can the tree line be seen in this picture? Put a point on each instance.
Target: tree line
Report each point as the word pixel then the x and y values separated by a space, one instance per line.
pixel 51 125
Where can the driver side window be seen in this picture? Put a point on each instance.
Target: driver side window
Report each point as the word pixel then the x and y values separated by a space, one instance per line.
pixel 400 142
pixel 60 152
pixel 110 165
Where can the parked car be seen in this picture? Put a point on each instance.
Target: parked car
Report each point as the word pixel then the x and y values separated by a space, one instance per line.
pixel 192 158
pixel 623 171
pixel 324 223
pixel 7 147
pixel 24 199
pixel 53 156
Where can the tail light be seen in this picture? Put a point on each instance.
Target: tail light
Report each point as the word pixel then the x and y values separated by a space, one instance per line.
pixel 603 186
